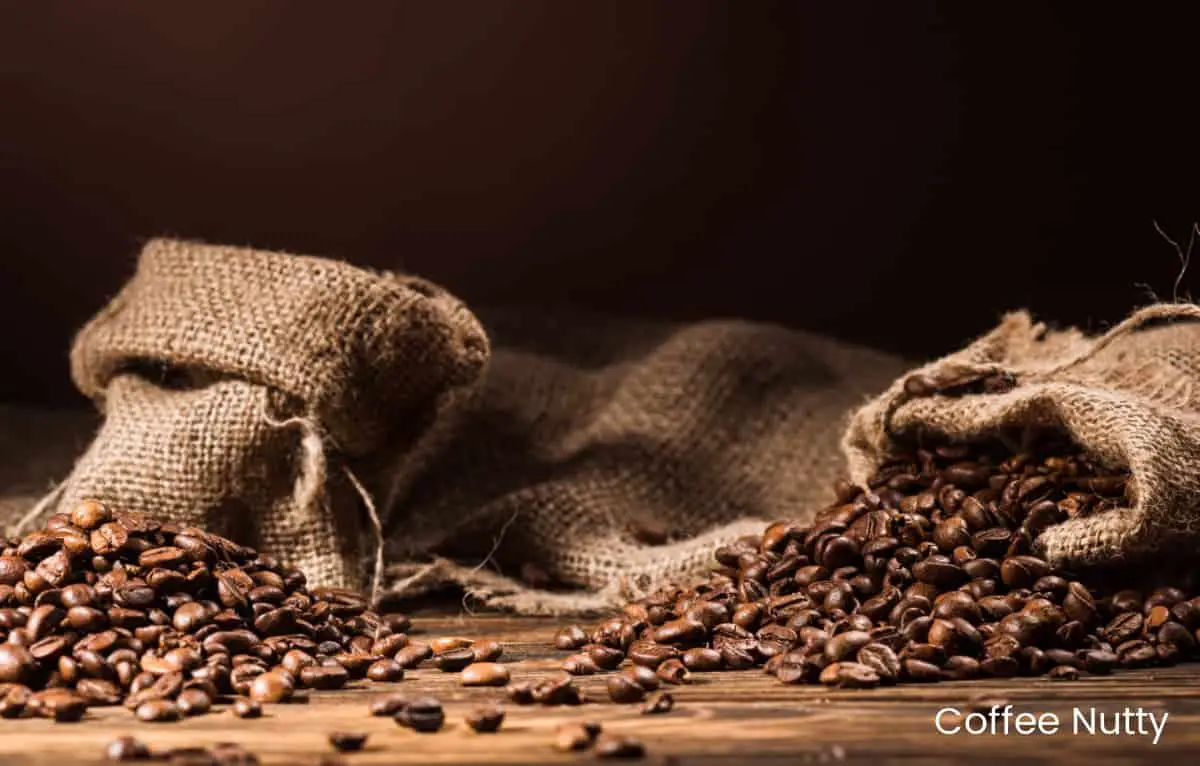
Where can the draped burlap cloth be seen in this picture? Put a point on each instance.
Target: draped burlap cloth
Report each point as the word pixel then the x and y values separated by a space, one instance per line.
pixel 362 426
pixel 1130 397
pixel 251 392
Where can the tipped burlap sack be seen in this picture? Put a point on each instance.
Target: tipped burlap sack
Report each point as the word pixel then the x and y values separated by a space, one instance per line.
pixel 267 397
pixel 1130 397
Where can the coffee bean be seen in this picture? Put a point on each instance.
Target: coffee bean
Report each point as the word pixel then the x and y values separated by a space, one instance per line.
pixel 570 638
pixel 347 742
pixel 485 674
pixel 553 691
pixel 449 643
pixel 388 705
pixel 246 708
pixel 193 702
pixel 385 671
pixel 423 714
pixel 573 737
pixel 98 692
pixel 126 749
pixel 673 671
pixel 324 677
pixel 157 711
pixel 651 655
pixel 702 660
pixel 613 746
pixel 1123 627
pixel 454 660
pixel 580 665
pixel 605 657
pixel 485 720
pixel 880 659
pixel 413 654
pixel 1063 673
pixel 849 675
pixel 662 702
pixel 271 688
pixel 488 651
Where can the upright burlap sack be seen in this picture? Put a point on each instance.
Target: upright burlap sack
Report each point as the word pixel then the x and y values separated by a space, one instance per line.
pixel 607 455
pixel 1130 397
pixel 264 395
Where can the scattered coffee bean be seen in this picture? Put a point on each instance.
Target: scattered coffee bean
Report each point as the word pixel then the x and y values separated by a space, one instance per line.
pixel 488 651
pixel 570 638
pixel 423 714
pixel 613 746
pixel 385 671
pixel 486 720
pixel 573 737
pixel 126 749
pixel 159 710
pixel 244 707
pixel 485 674
pixel 623 689
pixel 454 660
pixel 661 702
pixel 347 741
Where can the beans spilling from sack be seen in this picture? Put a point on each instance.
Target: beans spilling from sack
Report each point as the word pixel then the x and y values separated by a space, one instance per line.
pixel 929 574
pixel 108 608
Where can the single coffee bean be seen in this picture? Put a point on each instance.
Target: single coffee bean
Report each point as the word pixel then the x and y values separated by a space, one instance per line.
pixel 271 688
pixel 247 708
pixel 385 671
pixel 643 677
pixel 454 660
pixel 422 714
pixel 651 655
pixel 347 741
pixel 413 654
pixel 605 657
pixel 126 749
pixel 573 737
pixel 324 677
pixel 612 746
pixel 580 665
pixel 388 705
pixel 881 659
pixel 570 638
pixel 662 702
pixel 157 711
pixel 673 671
pixel 193 702
pixel 486 720
pixel 702 660
pixel 488 651
pixel 449 643
pixel 485 674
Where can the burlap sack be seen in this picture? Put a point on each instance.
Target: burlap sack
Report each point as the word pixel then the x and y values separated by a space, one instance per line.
pixel 1129 397
pixel 607 455
pixel 245 391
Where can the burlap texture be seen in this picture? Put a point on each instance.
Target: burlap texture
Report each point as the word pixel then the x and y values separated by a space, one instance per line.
pixel 598 457
pixel 242 389
pixel 1129 397
pixel 610 455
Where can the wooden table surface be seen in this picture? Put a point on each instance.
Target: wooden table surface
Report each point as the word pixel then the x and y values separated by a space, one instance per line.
pixel 720 718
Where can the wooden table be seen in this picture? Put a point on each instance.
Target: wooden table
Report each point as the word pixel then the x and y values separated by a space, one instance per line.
pixel 720 718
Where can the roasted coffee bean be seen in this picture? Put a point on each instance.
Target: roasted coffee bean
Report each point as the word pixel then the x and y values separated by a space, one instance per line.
pixel 126 749
pixel 413 654
pixel 193 702
pixel 613 746
pixel 651 655
pixel 554 691
pixel 247 708
pixel 644 677
pixel 573 737
pixel 623 689
pixel 450 643
pixel 520 692
pixel 662 702
pixel 98 692
pixel 454 660
pixel 571 637
pixel 488 651
pixel 423 714
pixel 485 674
pixel 324 676
pixel 347 741
pixel 673 671
pixel 271 687
pixel 385 671
pixel 157 711
pixel 486 720
pixel 702 660
pixel 880 659
pixel 605 657
pixel 388 705
pixel 580 665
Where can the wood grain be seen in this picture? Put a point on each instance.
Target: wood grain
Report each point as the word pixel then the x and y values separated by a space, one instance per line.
pixel 721 718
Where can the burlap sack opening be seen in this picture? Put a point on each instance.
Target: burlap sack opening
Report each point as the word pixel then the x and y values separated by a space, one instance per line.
pixel 1129 397
pixel 246 391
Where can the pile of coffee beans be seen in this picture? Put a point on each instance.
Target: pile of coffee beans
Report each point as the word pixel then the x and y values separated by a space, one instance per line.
pixel 105 607
pixel 928 574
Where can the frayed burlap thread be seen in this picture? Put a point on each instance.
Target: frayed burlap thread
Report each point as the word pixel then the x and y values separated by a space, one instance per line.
pixel 1130 397
pixel 239 387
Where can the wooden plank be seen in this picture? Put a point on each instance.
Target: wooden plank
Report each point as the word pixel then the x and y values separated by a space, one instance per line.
pixel 721 718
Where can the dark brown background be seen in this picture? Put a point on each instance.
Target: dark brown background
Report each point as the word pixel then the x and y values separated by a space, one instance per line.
pixel 893 173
